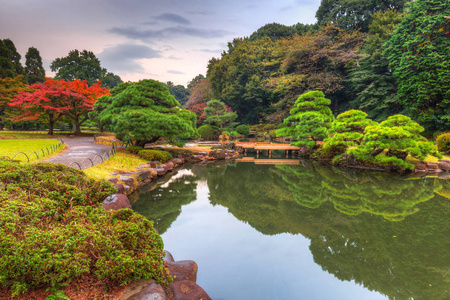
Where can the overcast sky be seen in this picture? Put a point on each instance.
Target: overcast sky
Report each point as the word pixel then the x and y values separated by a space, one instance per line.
pixel 165 40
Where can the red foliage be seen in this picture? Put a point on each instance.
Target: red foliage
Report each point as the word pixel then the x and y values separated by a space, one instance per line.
pixel 55 98
pixel 198 110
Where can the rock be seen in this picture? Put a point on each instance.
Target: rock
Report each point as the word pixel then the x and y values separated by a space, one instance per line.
pixel 202 153
pixel 168 166
pixel 116 202
pixel 143 165
pixel 197 157
pixel 153 172
pixel 127 187
pixel 222 154
pixel 127 180
pixel 120 188
pixel 142 175
pixel 445 160
pixel 152 291
pixel 183 270
pixel 168 257
pixel 138 168
pixel 154 163
pixel 178 161
pixel 431 166
pixel 113 180
pixel 160 171
pixel 113 173
pixel 213 153
pixel 187 290
pixel 420 166
pixel 444 166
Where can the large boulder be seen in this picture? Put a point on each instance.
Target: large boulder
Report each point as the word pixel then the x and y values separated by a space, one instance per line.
pixel 152 291
pixel 142 175
pixel 168 257
pixel 444 166
pixel 127 180
pixel 116 202
pixel 120 188
pixel 113 180
pixel 187 290
pixel 160 171
pixel 178 161
pixel 183 270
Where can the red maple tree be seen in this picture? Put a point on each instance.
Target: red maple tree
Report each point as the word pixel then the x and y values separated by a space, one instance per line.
pixel 54 99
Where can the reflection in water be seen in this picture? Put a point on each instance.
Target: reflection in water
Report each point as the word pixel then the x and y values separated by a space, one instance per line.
pixel 380 230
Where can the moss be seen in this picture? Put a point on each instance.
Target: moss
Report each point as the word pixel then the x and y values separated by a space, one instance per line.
pixel 150 155
pixel 54 230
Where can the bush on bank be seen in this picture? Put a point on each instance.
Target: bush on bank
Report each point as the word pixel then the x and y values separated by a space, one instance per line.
pixel 54 230
pixel 150 155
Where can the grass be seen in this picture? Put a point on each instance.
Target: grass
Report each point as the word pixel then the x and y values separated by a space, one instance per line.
pixel 120 161
pixel 9 147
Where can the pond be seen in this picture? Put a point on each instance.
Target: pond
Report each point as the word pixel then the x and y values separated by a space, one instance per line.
pixel 307 231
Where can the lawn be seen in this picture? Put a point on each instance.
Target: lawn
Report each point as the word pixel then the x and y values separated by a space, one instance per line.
pixel 9 147
pixel 120 161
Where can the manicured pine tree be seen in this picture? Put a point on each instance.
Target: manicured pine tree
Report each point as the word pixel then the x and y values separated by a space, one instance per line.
pixel 309 120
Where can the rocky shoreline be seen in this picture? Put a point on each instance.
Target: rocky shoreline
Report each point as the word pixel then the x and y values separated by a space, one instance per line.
pixel 184 272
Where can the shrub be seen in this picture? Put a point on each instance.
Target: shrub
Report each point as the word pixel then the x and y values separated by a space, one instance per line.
pixel 207 131
pixel 443 143
pixel 150 155
pixel 243 129
pixel 54 230
pixel 234 133
pixel 133 149
pixel 269 127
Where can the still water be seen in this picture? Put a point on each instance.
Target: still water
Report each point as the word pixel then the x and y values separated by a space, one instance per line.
pixel 307 231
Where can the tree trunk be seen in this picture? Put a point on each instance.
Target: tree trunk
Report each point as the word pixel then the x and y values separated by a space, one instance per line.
pixel 141 143
pixel 376 152
pixel 50 124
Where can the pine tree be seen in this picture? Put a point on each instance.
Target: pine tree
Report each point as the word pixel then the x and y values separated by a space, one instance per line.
pixel 33 66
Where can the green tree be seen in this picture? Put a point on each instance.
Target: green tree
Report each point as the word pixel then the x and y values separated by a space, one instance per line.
pixel 309 120
pixel 33 66
pixel 179 92
pixel 399 136
pixel 110 80
pixel 216 113
pixel 14 56
pixel 374 87
pixel 78 65
pixel 353 15
pixel 6 64
pixel 10 87
pixel 418 52
pixel 274 31
pixel 144 112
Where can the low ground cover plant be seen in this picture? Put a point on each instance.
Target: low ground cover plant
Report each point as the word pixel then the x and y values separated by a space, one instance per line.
pixel 54 230
pixel 159 155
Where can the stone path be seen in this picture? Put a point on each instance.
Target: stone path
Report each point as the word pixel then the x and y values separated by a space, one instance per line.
pixel 80 148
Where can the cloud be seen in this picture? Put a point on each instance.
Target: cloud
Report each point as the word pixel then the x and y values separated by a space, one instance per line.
pixel 124 57
pixel 175 72
pixel 211 50
pixel 146 35
pixel 173 18
pixel 202 12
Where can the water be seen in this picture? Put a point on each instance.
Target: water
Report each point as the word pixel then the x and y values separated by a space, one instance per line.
pixel 306 231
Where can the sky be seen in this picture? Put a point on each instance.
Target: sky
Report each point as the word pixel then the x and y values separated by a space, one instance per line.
pixel 164 40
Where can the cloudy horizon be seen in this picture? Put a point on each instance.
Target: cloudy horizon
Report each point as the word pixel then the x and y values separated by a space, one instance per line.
pixel 163 40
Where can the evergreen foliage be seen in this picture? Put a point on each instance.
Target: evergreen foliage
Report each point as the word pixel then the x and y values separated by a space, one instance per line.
pixel 6 64
pixel 144 112
pixel 274 31
pixel 33 66
pixel 443 143
pixel 309 120
pixel 179 92
pixel 152 155
pixel 243 129
pixel 14 56
pixel 54 230
pixel 216 113
pixel 418 52
pixel 208 132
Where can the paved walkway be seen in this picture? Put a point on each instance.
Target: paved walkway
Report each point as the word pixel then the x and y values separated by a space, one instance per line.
pixel 80 148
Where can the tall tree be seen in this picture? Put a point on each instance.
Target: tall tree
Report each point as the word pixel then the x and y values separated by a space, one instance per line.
pixel 354 15
pixel 9 87
pixel 14 56
pixel 418 52
pixel 110 80
pixel 6 65
pixel 374 87
pixel 33 66
pixel 179 92
pixel 78 65
pixel 144 112
pixel 274 31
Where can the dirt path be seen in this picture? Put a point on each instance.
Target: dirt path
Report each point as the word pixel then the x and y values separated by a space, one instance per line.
pixel 78 150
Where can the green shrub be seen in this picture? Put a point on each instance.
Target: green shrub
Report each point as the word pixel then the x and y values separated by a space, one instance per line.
pixel 133 149
pixel 243 129
pixel 234 133
pixel 443 143
pixel 207 131
pixel 54 230
pixel 269 127
pixel 150 155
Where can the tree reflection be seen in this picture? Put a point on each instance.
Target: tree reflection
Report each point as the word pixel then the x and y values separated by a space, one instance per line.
pixel 163 204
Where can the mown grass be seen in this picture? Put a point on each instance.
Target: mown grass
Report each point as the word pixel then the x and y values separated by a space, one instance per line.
pixel 10 147
pixel 120 161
